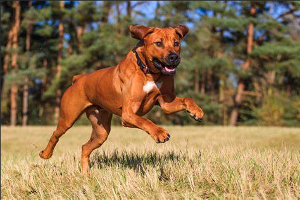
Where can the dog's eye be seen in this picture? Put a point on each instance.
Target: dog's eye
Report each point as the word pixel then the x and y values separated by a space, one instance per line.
pixel 176 44
pixel 159 44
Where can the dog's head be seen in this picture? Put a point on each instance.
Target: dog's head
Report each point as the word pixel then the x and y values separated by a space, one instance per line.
pixel 161 47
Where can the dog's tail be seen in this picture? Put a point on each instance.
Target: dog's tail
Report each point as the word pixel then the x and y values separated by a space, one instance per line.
pixel 76 77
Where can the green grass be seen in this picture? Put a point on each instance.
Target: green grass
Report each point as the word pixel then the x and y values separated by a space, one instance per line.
pixel 197 162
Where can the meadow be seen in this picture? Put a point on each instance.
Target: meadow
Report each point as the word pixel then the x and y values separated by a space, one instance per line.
pixel 197 163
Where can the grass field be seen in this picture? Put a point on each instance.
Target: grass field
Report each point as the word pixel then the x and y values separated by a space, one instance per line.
pixel 197 162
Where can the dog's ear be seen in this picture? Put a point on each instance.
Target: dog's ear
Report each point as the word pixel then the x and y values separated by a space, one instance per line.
pixel 181 30
pixel 140 31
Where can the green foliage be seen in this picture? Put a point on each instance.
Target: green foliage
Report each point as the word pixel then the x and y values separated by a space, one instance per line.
pixel 282 50
pixel 85 13
pixel 276 110
pixel 213 55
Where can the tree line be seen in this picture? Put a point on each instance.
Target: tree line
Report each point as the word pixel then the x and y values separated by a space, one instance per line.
pixel 240 60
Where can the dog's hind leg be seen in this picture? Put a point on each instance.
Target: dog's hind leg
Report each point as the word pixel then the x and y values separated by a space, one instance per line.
pixel 71 108
pixel 101 122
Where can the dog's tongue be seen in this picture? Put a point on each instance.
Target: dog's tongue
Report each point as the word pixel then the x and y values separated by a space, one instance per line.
pixel 170 69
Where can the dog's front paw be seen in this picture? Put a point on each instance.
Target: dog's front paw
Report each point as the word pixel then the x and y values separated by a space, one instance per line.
pixel 160 135
pixel 196 113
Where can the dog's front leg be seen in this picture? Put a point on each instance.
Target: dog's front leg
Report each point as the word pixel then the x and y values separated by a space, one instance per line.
pixel 130 119
pixel 172 104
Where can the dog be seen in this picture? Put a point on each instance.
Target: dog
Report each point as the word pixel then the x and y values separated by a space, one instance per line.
pixel 130 89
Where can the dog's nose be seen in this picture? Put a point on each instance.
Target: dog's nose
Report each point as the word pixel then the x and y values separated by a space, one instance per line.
pixel 173 58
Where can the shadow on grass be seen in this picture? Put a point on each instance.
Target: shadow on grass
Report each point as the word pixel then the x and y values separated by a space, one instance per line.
pixel 133 160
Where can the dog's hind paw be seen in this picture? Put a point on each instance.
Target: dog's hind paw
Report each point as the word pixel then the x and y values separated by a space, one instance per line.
pixel 45 156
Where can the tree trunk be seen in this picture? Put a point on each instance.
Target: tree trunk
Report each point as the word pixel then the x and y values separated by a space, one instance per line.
pixel 7 56
pixel 225 116
pixel 129 9
pixel 13 105
pixel 44 83
pixel 241 85
pixel 79 32
pixel 28 31
pixel 14 88
pixel 270 75
pixel 196 79
pixel 210 82
pixel 8 46
pixel 15 37
pixel 57 107
pixel 157 10
pixel 203 83
pixel 25 87
pixel 25 103
pixel 58 68
pixel 106 10
pixel 70 50
pixel 288 90
pixel 118 11
pixel 119 25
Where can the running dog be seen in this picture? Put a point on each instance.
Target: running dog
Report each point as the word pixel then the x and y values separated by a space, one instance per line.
pixel 130 90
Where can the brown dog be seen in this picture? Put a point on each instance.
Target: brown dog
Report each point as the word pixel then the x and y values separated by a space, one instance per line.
pixel 130 89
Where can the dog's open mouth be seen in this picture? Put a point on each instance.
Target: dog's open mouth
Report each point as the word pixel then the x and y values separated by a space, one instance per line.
pixel 164 68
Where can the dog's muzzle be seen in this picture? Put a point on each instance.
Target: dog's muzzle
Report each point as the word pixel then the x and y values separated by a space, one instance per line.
pixel 167 69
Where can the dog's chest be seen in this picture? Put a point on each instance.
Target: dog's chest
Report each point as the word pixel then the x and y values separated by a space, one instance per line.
pixel 152 91
pixel 150 85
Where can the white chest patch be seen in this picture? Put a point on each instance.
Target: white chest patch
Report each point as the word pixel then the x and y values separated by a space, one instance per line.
pixel 150 85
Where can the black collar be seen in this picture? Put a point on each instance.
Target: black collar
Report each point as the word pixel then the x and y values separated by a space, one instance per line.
pixel 140 63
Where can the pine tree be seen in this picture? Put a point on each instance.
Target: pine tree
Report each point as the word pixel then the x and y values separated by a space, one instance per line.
pixel 277 60
pixel 232 61
pixel 246 66
pixel 6 38
pixel 59 58
pixel 29 28
pixel 14 64
pixel 84 15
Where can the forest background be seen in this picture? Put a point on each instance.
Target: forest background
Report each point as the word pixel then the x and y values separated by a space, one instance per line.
pixel 240 60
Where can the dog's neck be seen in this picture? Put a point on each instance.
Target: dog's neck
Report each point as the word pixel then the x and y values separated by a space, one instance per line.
pixel 142 62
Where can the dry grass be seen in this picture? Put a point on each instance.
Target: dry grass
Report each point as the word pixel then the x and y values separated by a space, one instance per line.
pixel 198 162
